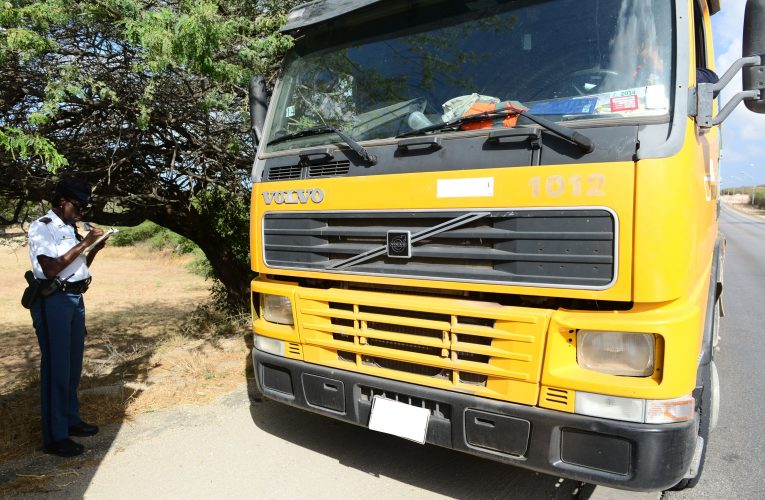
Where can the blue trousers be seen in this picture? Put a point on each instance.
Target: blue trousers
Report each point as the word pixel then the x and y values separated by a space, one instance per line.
pixel 59 322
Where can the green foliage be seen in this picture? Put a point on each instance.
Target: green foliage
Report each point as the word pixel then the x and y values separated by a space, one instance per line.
pixel 147 101
pixel 228 213
pixel 128 236
pixel 23 146
pixel 222 41
pixel 759 197
pixel 156 236
pixel 25 24
pixel 189 37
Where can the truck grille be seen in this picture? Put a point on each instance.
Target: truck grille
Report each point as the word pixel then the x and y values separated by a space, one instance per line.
pixel 437 409
pixel 573 248
pixel 300 171
pixel 457 344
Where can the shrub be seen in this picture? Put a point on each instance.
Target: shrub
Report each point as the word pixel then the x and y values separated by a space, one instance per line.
pixel 159 238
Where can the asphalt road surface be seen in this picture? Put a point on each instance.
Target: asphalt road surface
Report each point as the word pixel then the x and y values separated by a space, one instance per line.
pixel 267 450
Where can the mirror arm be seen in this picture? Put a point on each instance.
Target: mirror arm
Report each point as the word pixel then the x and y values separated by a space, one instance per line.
pixel 703 95
pixel 731 105
pixel 734 69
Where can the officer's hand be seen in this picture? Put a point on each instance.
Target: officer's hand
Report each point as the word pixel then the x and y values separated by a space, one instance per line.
pixel 99 246
pixel 92 236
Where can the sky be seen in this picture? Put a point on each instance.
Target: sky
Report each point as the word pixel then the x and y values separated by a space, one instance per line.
pixel 743 133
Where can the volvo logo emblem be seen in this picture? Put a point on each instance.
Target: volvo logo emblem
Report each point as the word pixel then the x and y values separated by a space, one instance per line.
pixel 293 197
pixel 399 244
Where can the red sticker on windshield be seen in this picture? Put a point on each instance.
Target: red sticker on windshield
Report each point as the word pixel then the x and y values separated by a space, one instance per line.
pixel 624 103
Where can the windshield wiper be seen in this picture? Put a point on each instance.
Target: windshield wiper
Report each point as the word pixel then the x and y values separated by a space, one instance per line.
pixel 355 146
pixel 581 140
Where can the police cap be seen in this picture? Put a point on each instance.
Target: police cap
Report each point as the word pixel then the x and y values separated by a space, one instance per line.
pixel 76 189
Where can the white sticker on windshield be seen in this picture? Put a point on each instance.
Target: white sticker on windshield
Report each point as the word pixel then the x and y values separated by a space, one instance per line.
pixel 464 188
pixel 290 111
pixel 655 97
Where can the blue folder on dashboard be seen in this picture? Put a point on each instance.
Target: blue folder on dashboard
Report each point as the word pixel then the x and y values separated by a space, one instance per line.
pixel 578 106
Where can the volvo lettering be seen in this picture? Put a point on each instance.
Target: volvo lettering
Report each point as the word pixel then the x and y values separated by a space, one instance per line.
pixel 293 197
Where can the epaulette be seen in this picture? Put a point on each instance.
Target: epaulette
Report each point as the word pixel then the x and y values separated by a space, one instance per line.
pixel 45 220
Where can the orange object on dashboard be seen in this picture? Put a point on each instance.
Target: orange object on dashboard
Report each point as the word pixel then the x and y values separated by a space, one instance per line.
pixel 481 107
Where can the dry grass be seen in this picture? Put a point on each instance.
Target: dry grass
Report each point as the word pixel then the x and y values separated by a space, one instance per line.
pixel 37 483
pixel 49 478
pixel 150 344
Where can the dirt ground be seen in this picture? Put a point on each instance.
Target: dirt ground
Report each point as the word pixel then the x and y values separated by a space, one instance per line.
pixel 153 342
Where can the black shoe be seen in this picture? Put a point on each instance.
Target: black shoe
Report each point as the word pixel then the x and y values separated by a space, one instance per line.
pixel 83 429
pixel 65 448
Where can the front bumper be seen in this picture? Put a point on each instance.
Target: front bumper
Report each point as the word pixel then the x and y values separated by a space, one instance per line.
pixel 624 455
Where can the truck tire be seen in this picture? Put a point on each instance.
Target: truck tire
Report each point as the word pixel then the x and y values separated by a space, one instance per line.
pixel 708 411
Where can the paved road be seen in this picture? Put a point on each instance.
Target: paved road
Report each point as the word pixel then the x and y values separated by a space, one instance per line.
pixel 269 451
pixel 737 447
pixel 234 450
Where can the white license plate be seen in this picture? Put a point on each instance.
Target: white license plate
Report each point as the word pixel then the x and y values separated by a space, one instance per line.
pixel 399 419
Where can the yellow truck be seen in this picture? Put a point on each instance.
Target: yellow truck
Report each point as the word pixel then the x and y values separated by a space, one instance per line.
pixel 492 226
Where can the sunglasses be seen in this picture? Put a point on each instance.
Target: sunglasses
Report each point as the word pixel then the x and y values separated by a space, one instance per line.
pixel 81 207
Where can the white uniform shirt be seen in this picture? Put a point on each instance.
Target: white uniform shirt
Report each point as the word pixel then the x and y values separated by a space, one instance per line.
pixel 54 239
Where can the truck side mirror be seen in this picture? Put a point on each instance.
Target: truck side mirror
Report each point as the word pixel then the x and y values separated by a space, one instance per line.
pixel 754 45
pixel 752 65
pixel 258 106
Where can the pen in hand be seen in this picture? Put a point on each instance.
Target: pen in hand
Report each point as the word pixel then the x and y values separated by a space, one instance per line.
pixel 95 236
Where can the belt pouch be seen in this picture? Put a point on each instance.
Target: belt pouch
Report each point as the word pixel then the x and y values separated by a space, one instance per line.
pixel 32 291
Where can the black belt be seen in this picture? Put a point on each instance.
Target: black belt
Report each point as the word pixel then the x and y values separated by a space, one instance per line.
pixel 75 286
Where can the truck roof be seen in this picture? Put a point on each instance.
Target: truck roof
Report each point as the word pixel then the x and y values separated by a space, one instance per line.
pixel 319 11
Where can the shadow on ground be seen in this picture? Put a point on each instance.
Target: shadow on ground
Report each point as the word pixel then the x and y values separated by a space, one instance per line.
pixel 117 362
pixel 439 470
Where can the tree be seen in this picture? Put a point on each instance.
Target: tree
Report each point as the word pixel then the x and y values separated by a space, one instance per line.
pixel 145 99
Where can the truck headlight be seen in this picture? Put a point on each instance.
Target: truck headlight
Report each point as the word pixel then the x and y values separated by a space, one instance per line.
pixel 616 353
pixel 277 309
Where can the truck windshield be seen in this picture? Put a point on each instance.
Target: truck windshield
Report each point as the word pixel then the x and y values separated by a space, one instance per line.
pixel 566 60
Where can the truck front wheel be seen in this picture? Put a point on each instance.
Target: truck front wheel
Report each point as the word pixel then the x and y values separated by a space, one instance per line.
pixel 708 411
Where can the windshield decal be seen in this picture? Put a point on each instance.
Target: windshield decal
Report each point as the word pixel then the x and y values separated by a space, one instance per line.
pixel 624 103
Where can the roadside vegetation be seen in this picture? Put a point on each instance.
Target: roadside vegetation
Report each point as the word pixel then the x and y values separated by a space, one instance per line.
pixel 159 238
pixel 755 198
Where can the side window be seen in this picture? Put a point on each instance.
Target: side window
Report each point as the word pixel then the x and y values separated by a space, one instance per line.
pixel 699 35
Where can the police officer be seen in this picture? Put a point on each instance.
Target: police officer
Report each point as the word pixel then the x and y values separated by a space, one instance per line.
pixel 56 251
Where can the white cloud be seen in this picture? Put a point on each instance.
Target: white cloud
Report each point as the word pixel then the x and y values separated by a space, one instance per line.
pixel 727 24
